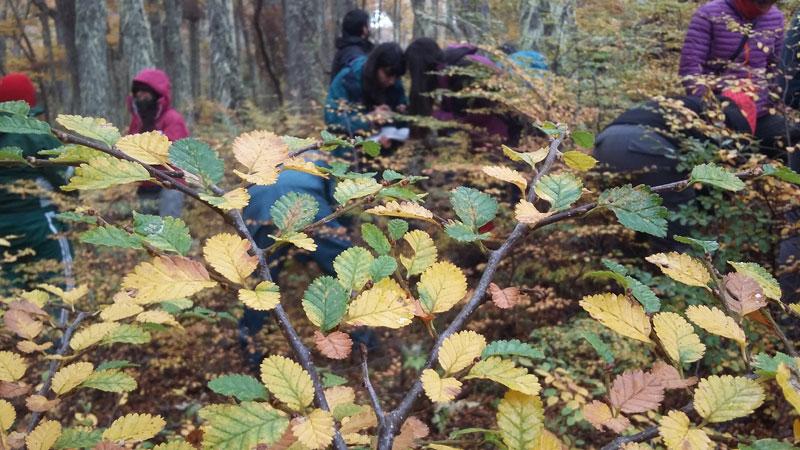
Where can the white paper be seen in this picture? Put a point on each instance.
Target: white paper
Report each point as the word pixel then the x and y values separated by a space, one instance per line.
pixel 391 133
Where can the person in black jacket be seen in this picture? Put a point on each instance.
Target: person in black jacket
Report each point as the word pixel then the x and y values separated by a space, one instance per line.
pixel 354 41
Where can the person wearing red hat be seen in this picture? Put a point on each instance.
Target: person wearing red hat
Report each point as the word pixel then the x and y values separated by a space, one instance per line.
pixel 29 218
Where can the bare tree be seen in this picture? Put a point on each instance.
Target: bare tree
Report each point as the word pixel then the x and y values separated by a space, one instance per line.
pixel 137 43
pixel 92 52
pixel 174 57
pixel 226 83
pixel 302 21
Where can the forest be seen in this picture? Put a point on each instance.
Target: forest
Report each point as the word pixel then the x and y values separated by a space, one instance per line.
pixel 405 224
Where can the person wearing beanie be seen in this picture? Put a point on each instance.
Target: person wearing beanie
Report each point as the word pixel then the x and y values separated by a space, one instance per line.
pixel 354 41
pixel 29 218
pixel 150 105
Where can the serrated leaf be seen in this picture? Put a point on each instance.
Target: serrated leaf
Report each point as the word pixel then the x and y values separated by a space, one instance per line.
pixel 157 316
pixel 599 415
pixel 715 321
pixel 15 108
pixel 71 376
pixel 678 338
pixel 681 268
pixel 299 240
pixel 401 193
pixel 287 381
pixel 439 389
pixel 7 415
pixel 197 158
pixel 11 154
pixel 91 335
pixel 325 302
pixel 638 209
pixel 166 278
pixel 635 391
pixel 78 438
pixel 532 158
pixel 235 199
pixel 44 436
pixel 102 173
pixel 768 444
pixel 513 347
pixel 260 152
pixel 723 398
pixel 382 267
pixel 463 233
pixel 508 175
pixel 713 175
pixel 112 380
pixel 520 419
pixel 459 351
pixel 441 286
pixel 174 445
pixel 336 345
pixel 782 173
pixel 151 147
pixel 352 267
pixel 294 211
pixel 73 216
pixel 788 385
pixel 305 166
pixel 375 238
pixel 379 307
pixel 424 252
pixel 244 387
pixel 116 364
pixel 560 190
pixel 678 434
pixel 765 279
pixel 744 294
pixel 314 431
pixel 407 210
pixel 504 371
pixel 767 366
pixel 168 234
pixel 264 297
pixel 525 212
pixel 579 161
pixel 120 310
pixel 111 236
pixel 73 154
pixel 134 428
pixel 619 314
pixel 241 427
pixel 94 128
pixel 127 334
pixel 583 138
pixel 12 366
pixel 69 297
pixel 397 228
pixel 705 246
pixel 473 207
pixel 23 125
pixel 228 254
pixel 352 189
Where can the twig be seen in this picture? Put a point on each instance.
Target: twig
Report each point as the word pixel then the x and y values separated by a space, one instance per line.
pixel 781 335
pixel 373 397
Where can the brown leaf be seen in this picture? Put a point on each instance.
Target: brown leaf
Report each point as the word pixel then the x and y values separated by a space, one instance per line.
pixel 21 323
pixel 744 293
pixel 412 429
pixel 669 376
pixel 30 346
pixel 504 298
pixel 28 307
pixel 599 415
pixel 16 439
pixel 361 421
pixel 40 403
pixel 636 392
pixel 12 390
pixel 287 440
pixel 336 345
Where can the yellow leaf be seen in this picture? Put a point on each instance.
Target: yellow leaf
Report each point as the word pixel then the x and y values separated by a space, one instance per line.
pixel 439 389
pixel 460 350
pixel 101 173
pixel 22 324
pixel 682 268
pixel 158 317
pixel 32 347
pixel 549 441
pixel 92 127
pixel 520 418
pixel 407 210
pixel 301 165
pixel 44 435
pixel 134 428
pixel 361 421
pixel 151 147
pixel 120 310
pixel 235 199
pixel 12 366
pixel 441 287
pixel 379 307
pixel 356 439
pixel 788 385
pixel 37 297
pixel 504 371
pixel 579 161
pixel 228 254
pixel 315 431
pixel 265 297
pixel 40 403
pixel 620 314
pixel 7 415
pixel 678 338
pixel 69 377
pixel 298 239
pixel 166 278
pixel 715 321
pixel 91 335
pixel 677 433
pixel 508 175
pixel 69 297
pixel 424 252
pixel 532 158
pixel 339 395
pixel 260 152
pixel 441 447
pixel 525 212
pixel 287 381
pixel 723 398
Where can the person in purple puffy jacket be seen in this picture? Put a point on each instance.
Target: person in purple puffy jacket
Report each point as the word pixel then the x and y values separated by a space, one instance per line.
pixel 735 45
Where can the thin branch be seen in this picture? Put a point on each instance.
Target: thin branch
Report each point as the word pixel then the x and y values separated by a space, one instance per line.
pixel 781 335
pixel 373 397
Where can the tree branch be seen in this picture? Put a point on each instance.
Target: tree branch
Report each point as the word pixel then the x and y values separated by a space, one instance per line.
pixel 373 397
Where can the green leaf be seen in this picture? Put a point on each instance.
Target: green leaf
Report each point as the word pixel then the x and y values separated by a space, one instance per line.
pixel 241 427
pixel 111 236
pixel 713 175
pixel 397 228
pixel 401 193
pixel 101 173
pixel 782 173
pixel 352 189
pixel 72 216
pixel 198 158
pixel 583 138
pixel 23 125
pixel 115 364
pixel 78 438
pixel 704 246
pixel 614 266
pixel 764 279
pixel 768 444
pixel 111 380
pixel 330 379
pixel 473 207
pixel 127 334
pixel 296 143
pixel 767 366
pixel 244 387
pixel 325 302
pixel 560 190
pixel 643 294
pixel 294 211
pixel 513 347
pixel 73 154
pixel 371 148
pixel 11 154
pixel 346 410
pixel 164 233
pixel 599 346
pixel 392 175
pixel 382 267
pixel 92 128
pixel 636 208
pixel 463 233
pixel 579 161
pixel 175 306
pixel 375 238
pixel 15 108
pixel 352 267
pixel 331 141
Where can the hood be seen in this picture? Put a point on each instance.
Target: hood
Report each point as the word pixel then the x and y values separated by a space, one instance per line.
pixel 347 41
pixel 159 82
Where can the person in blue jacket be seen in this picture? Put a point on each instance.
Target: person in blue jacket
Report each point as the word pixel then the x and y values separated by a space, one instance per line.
pixel 367 91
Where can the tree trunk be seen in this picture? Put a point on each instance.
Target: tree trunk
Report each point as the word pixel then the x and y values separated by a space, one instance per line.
pixel 174 58
pixel 226 82
pixel 65 31
pixel 53 100
pixel 263 48
pixel 92 50
pixel 302 21
pixel 155 10
pixel 137 43
pixel 547 26
pixel 2 44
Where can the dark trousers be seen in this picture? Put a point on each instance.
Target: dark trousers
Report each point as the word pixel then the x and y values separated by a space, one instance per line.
pixel 775 133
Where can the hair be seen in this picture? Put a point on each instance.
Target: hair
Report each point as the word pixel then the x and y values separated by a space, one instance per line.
pixel 354 22
pixel 423 56
pixel 389 57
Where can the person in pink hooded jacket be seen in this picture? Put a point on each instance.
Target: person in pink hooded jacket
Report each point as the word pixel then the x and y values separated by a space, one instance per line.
pixel 150 105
